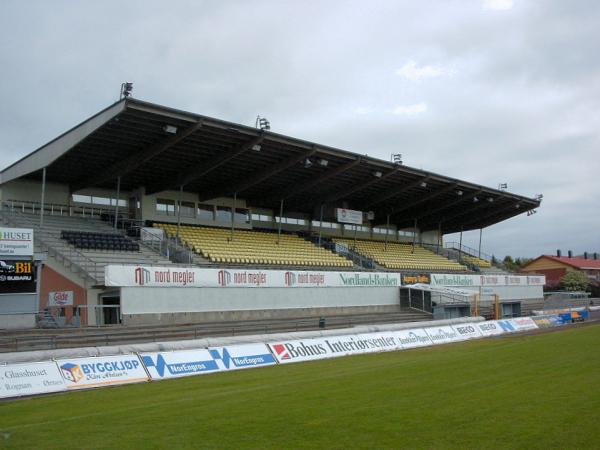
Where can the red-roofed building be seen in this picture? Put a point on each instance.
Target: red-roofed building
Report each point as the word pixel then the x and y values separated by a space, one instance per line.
pixel 555 267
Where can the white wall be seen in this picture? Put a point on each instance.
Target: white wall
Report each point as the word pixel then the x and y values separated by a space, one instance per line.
pixel 139 300
pixel 509 292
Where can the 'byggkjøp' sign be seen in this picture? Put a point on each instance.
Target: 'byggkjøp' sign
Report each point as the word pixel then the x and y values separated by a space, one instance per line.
pixel 81 373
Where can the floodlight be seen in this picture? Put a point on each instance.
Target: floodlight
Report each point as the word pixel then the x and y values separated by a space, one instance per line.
pixel 423 184
pixel 256 147
pixel 459 192
pixel 307 163
pixel 322 162
pixel 170 129
pixel 377 174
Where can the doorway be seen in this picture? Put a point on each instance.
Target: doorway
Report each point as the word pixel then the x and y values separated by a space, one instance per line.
pixel 111 310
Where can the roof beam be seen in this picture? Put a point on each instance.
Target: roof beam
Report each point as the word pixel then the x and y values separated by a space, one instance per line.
pixel 206 167
pixel 356 188
pixel 464 211
pixel 312 182
pixel 135 160
pixel 263 175
pixel 444 206
pixel 423 199
pixel 394 192
pixel 493 216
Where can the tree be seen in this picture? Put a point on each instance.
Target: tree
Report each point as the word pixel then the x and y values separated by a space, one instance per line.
pixel 574 280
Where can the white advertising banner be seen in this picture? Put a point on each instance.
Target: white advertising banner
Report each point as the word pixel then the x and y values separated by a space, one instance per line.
pixel 300 350
pixel 349 216
pixel 507 325
pixel 16 241
pixel 467 330
pixel 60 298
pixel 443 334
pixel 151 276
pixel 442 279
pixel 383 341
pixel 30 379
pixel 417 337
pixel 489 328
pixel 161 365
pixel 81 373
pixel 524 323
pixel 244 356
pixel 455 280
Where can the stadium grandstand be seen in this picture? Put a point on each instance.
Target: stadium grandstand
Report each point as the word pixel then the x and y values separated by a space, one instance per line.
pixel 149 215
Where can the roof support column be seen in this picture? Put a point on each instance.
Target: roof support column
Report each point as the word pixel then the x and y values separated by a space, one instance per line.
pixel 280 221
pixel 480 233
pixel 460 245
pixel 179 210
pixel 387 230
pixel 233 216
pixel 117 201
pixel 321 223
pixel 440 243
pixel 414 236
pixel 43 197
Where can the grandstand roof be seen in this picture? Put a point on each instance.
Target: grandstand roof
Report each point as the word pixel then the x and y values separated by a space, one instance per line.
pixel 216 158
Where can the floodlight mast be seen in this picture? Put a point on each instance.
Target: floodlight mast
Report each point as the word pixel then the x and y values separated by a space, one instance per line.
pixel 126 89
pixel 262 123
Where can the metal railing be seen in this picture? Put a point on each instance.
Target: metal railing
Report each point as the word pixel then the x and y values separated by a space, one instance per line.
pixel 69 255
pixel 467 250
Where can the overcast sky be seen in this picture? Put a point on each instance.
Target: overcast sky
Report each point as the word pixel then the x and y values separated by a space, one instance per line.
pixel 495 91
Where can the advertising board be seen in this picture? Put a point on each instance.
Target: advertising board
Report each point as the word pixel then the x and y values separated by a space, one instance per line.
pixel 17 276
pixel 443 335
pixel 183 363
pixel 383 341
pixel 60 298
pixel 467 330
pixel 80 373
pixel 244 356
pixel 524 323
pixel 16 241
pixel 153 276
pixel 349 216
pixel 440 279
pixel 489 328
pixel 30 379
pixel 417 337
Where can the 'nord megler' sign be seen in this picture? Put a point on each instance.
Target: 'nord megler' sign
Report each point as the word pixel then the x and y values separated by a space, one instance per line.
pixel 151 276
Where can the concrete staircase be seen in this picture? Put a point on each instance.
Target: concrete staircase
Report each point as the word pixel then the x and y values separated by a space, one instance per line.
pixel 86 263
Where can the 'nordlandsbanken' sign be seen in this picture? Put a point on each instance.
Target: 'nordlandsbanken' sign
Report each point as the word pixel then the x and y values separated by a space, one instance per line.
pixel 150 276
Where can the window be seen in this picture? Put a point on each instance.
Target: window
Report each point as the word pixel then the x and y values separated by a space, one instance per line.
pixel 103 201
pixel 206 212
pixel 242 215
pixel 261 218
pixel 165 207
pixel 223 214
pixel 188 209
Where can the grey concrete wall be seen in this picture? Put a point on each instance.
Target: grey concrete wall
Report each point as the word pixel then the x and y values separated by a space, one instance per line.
pixel 18 303
pixel 226 316
pixel 17 321
pixel 141 300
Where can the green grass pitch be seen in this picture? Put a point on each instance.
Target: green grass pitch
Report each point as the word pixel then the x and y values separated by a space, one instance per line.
pixel 534 391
